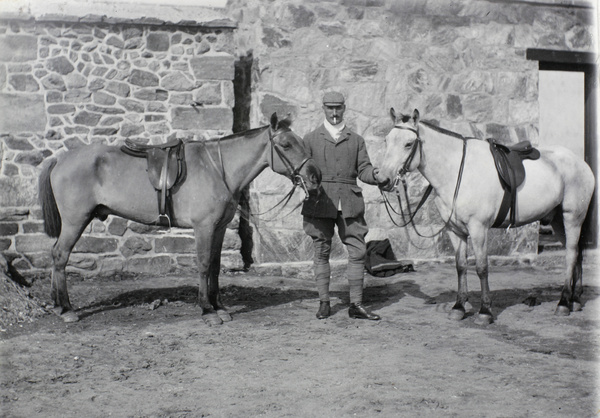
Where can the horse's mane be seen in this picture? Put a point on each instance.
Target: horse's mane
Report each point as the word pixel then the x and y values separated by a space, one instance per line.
pixel 436 128
pixel 249 132
pixel 283 124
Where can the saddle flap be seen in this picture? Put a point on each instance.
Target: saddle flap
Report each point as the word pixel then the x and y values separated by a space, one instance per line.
pixel 509 161
pixel 163 167
pixel 511 172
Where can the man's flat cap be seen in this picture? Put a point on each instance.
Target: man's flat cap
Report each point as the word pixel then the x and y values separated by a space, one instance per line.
pixel 333 98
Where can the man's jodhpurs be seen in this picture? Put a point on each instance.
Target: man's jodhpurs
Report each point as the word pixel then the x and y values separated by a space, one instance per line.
pixel 352 232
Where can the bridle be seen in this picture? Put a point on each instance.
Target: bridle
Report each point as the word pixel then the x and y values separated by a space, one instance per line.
pixel 401 178
pixel 417 144
pixel 292 172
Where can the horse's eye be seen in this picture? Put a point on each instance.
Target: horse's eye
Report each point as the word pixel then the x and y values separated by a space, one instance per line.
pixel 286 145
pixel 408 145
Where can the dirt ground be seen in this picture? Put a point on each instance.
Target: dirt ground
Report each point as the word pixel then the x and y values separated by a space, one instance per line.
pixel 141 350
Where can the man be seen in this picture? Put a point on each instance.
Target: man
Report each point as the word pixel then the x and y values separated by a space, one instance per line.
pixel 342 156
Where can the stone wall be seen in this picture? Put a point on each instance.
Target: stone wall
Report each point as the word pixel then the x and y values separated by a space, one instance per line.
pixel 462 63
pixel 82 76
pixel 68 81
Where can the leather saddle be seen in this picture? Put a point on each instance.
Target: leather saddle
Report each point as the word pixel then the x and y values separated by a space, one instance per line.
pixel 166 169
pixel 509 164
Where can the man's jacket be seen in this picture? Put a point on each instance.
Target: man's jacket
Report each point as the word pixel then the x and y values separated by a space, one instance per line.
pixel 341 164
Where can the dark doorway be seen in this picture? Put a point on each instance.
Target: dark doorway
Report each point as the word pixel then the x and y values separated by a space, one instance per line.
pixel 585 63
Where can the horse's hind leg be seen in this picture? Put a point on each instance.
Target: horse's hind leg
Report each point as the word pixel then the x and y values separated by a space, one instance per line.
pixel 569 231
pixel 60 255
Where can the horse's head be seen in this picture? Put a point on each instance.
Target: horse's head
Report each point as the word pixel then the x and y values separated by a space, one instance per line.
pixel 289 158
pixel 403 150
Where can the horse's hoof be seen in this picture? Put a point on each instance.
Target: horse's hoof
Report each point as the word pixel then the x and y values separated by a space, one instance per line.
pixel 562 310
pixel 484 319
pixel 456 315
pixel 224 315
pixel 212 319
pixel 69 316
pixel 577 307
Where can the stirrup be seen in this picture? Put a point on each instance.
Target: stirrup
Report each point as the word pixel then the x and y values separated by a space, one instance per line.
pixel 161 217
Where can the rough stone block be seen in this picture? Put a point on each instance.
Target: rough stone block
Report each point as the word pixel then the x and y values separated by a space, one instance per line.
pixel 151 94
pixel 157 41
pixel 18 48
pixel 23 82
pixel 18 144
pixel 5 244
pixel 143 78
pixel 18 191
pixel 33 158
pixel 33 243
pixel 87 244
pixel 87 118
pixel 83 262
pixel 61 109
pixel 54 82
pixel 60 65
pixel 14 119
pixel 33 227
pixel 218 66
pixel 13 214
pixel 187 262
pixel 117 226
pixel 103 99
pixel 177 245
pixel 177 81
pixel 120 89
pixel 135 245
pixel 208 93
pixel 202 118
pixel 151 265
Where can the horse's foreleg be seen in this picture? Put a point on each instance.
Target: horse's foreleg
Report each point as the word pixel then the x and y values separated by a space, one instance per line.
pixel 214 269
pixel 460 246
pixel 479 240
pixel 204 242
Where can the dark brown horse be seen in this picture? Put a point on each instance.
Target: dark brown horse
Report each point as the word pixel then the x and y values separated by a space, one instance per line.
pixel 98 180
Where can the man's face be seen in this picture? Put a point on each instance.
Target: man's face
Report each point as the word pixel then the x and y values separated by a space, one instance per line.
pixel 334 114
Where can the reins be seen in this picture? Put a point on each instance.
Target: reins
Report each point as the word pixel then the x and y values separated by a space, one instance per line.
pixel 400 177
pixel 293 172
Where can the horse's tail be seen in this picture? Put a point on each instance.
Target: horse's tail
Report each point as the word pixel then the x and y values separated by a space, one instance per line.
pixel 52 221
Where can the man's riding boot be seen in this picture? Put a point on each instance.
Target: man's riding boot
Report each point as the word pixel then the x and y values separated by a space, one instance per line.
pixel 358 311
pixel 324 310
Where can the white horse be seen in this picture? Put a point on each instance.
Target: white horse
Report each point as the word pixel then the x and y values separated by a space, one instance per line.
pixel 558 183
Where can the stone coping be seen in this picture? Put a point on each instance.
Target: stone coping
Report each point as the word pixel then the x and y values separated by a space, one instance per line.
pixel 585 4
pixel 82 11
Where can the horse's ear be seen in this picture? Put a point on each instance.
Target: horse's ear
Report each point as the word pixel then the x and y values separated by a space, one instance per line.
pixel 415 116
pixel 274 121
pixel 393 115
pixel 286 122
